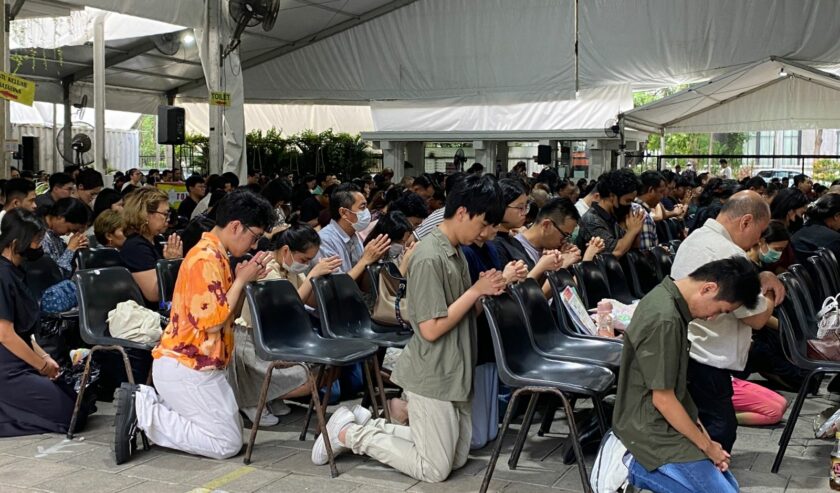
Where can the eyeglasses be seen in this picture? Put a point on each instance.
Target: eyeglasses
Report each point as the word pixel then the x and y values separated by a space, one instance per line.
pixel 166 214
pixel 523 209
pixel 566 236
pixel 255 235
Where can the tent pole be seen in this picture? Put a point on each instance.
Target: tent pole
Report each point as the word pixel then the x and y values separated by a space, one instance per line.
pixel 99 94
pixel 659 163
pixel 4 106
pixel 68 126
pixel 214 69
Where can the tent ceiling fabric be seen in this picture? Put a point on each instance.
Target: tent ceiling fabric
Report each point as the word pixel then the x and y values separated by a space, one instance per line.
pixel 290 118
pixel 775 94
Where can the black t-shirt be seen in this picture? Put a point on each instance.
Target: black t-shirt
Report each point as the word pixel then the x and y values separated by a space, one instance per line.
pixel 138 254
pixel 811 238
pixel 17 305
pixel 310 208
pixel 187 207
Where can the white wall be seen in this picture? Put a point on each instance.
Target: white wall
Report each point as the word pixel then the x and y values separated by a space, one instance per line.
pixel 122 147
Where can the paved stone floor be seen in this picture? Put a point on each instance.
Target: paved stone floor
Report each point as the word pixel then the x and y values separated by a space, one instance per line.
pixel 281 464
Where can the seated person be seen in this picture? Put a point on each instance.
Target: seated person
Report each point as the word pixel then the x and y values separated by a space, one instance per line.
pixel 398 229
pixel 192 407
pixel 66 217
pixel 195 192
pixel 436 217
pixel 517 205
pixel 109 229
pixel 654 416
pixel 349 213
pixel 32 401
pixel 146 213
pixel 617 190
pixel 88 186
pixel 822 229
pixel 61 185
pixel 774 240
pixel 19 192
pixel 294 250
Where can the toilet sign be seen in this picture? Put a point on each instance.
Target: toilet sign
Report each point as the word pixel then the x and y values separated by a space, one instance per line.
pixel 17 89
pixel 220 99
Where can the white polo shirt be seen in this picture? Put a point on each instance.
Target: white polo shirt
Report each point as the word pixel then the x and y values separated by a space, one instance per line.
pixel 725 341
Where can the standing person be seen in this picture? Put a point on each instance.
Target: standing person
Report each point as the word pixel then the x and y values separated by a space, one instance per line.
pixel 725 170
pixel 436 217
pixel 655 416
pixel 61 187
pixel 804 184
pixel 436 367
pixel 721 345
pixel 651 191
pixel 135 178
pixel 194 409
pixel 88 185
pixel 617 191
pixel 589 196
pixel 32 402
pixel 19 193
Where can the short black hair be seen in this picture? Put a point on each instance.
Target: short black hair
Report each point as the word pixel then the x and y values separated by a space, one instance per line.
pixel 230 177
pixel 800 178
pixel 215 182
pixel 299 236
pixel 73 210
pixel 824 208
pixel 453 180
pixel 723 161
pixel 422 181
pixel 21 225
pixel 18 188
pixel 650 179
pixel 512 189
pixel 106 198
pixel 478 195
pixel 193 181
pixel 617 182
pixel 394 224
pixel 755 183
pixel 276 191
pixel 736 277
pixel 89 179
pixel 558 210
pixel 410 204
pixel 669 175
pixel 342 197
pixel 71 168
pixel 59 180
pixel 785 201
pixel 684 181
pixel 246 207
pixel 776 231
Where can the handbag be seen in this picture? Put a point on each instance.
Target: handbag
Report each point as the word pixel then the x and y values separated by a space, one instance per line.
pixel 391 306
pixel 827 345
pixel 59 297
pixel 829 316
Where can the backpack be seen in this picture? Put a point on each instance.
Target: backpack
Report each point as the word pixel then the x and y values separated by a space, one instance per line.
pixel 609 473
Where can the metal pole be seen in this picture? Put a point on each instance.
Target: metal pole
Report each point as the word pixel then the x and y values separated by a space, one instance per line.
pixel 68 126
pixel 659 163
pixel 4 106
pixel 99 93
pixel 214 60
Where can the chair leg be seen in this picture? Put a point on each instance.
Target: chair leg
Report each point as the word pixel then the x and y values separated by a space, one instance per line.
pixel 371 392
pixel 791 421
pixel 260 406
pixel 80 396
pixel 602 416
pixel 318 382
pixel 320 409
pixel 381 385
pixel 575 438
pixel 523 431
pixel 499 440
pixel 548 418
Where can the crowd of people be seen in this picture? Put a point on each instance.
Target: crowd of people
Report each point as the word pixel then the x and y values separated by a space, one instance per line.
pixel 683 385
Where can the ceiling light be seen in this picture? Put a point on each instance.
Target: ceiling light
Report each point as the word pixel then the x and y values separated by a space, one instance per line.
pixel 783 73
pixel 188 39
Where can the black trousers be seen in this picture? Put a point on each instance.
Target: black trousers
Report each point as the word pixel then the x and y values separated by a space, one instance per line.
pixel 711 391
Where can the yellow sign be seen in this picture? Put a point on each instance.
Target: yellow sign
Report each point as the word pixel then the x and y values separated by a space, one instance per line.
pixel 176 191
pixel 220 99
pixel 17 89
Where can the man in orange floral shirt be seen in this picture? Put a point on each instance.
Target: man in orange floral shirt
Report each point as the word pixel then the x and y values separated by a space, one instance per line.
pixel 194 409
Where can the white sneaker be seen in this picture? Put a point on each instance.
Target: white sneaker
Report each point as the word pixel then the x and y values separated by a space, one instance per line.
pixel 279 408
pixel 265 420
pixel 362 414
pixel 340 419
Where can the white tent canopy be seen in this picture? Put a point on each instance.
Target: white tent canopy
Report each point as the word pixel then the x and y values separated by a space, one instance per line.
pixel 773 94
pixel 290 119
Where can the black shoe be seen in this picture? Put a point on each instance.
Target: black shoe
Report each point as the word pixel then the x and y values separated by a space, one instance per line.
pixel 125 423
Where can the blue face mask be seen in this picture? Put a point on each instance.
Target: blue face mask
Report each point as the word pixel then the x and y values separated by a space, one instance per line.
pixel 770 256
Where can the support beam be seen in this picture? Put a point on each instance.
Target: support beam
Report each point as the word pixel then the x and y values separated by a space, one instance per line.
pixel 214 72
pixel 99 94
pixel 68 126
pixel 273 53
pixel 15 10
pixel 4 105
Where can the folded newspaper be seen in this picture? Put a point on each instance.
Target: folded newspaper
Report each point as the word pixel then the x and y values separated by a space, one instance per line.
pixel 587 322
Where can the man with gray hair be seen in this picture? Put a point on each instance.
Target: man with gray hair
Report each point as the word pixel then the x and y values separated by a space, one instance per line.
pixel 721 344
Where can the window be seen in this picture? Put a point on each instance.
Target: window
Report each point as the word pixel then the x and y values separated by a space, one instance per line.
pixel 791 144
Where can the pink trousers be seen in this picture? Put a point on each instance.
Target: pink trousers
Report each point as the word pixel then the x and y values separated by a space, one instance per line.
pixel 756 405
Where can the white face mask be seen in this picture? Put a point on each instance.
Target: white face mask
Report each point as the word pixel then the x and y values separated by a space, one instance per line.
pixel 296 267
pixel 362 220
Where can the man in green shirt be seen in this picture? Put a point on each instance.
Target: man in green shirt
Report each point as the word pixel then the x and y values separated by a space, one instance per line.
pixel 654 416
pixel 436 368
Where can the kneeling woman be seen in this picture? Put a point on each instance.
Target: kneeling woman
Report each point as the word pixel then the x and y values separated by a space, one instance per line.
pixel 31 402
pixel 294 249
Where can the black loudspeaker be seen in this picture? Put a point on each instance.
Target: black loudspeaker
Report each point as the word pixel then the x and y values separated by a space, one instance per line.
pixel 171 125
pixel 27 154
pixel 543 154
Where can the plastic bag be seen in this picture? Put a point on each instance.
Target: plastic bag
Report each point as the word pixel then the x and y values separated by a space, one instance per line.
pixel 829 316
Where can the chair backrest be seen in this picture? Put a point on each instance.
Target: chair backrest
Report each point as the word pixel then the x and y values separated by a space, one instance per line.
pixel 833 267
pixel 642 268
pixel 675 245
pixel 97 258
pixel 663 260
pixel 798 329
pixel 537 315
pixel 514 353
pixel 676 227
pixel 341 307
pixel 40 275
pixel 812 288
pixel 558 280
pixel 592 283
pixel 617 283
pixel 819 271
pixel 373 271
pixel 663 232
pixel 98 292
pixel 279 318
pixel 167 274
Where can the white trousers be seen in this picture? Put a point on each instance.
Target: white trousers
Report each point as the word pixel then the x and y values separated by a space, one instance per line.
pixel 436 443
pixel 192 411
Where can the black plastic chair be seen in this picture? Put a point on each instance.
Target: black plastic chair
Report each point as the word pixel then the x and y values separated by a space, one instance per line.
pixel 663 260
pixel 813 287
pixel 796 329
pixel 97 258
pixel 616 279
pixel 592 283
pixel 663 232
pixel 819 271
pixel 167 274
pixel 643 274
pixel 40 275
pixel 832 268
pixel 675 245
pixel 676 228
pixel 522 368
pixel 98 292
pixel 284 336
pixel 373 271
